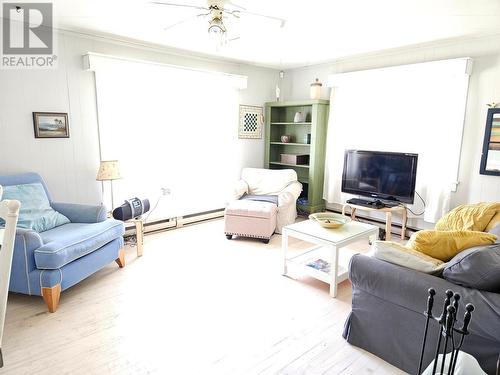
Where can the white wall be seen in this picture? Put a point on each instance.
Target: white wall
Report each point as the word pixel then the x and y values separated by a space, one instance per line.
pixel 484 88
pixel 69 166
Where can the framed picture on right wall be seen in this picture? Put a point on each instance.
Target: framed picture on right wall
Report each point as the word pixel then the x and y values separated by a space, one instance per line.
pixel 490 159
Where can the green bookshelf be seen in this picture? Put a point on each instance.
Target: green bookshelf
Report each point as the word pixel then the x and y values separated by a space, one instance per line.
pixel 279 121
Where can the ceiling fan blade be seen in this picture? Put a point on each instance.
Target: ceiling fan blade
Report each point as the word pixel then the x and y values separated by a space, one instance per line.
pixel 183 21
pixel 233 39
pixel 237 12
pixel 179 5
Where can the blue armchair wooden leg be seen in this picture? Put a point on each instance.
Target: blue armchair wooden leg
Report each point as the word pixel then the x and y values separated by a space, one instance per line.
pixel 51 297
pixel 121 258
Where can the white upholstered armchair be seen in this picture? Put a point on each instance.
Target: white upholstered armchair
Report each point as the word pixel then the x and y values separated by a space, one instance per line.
pixel 280 182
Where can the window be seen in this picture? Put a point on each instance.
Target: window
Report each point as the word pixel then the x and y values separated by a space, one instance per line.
pixel 169 127
pixel 415 108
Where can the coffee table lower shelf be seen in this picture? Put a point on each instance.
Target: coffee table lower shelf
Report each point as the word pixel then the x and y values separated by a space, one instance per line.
pixel 304 263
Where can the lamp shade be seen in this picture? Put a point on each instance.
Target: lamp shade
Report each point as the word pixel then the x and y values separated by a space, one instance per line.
pixel 108 170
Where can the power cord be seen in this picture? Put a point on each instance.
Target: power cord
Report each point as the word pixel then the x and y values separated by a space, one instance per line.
pixel 408 209
pixel 154 208
pixel 164 192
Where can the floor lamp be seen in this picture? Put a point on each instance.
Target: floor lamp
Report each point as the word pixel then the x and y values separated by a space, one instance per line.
pixel 109 171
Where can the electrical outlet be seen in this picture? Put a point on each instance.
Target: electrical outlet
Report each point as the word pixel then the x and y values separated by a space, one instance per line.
pixel 165 191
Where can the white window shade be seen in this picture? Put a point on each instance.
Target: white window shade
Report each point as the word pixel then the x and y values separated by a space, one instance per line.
pixel 417 108
pixel 169 127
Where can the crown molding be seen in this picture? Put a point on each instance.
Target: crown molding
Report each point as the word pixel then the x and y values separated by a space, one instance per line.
pixel 159 48
pixel 437 44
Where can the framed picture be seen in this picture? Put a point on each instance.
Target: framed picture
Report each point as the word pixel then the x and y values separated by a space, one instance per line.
pixel 251 120
pixel 490 159
pixel 51 125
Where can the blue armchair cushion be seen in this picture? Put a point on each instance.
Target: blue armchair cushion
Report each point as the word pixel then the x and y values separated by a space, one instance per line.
pixel 36 212
pixel 69 242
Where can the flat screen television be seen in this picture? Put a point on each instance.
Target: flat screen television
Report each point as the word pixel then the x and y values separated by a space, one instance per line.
pixel 380 175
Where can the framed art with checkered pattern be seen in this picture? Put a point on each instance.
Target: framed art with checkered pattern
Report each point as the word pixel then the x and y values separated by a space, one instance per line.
pixel 251 121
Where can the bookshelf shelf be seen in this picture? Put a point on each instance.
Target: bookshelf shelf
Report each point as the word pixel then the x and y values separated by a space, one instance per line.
pixel 289 165
pixel 291 123
pixel 291 144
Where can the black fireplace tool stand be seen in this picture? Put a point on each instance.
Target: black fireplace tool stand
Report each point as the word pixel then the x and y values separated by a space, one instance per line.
pixel 449 337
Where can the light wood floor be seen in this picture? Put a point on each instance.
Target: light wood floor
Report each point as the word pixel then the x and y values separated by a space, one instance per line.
pixel 195 303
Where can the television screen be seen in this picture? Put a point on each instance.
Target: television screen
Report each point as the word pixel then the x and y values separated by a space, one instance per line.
pixel 381 175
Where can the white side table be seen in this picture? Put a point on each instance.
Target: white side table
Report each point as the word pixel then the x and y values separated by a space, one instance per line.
pixel 329 242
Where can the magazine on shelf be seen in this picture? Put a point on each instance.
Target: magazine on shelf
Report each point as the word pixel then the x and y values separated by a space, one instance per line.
pixel 320 265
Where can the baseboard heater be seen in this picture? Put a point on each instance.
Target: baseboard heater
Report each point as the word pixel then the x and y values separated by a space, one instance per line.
pixel 179 222
pixel 380 223
pixel 175 222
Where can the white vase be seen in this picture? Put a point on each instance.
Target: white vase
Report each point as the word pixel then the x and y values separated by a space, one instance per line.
pixel 298 117
pixel 315 92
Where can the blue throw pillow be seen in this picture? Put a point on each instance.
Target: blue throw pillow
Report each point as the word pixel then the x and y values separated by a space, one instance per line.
pixel 35 212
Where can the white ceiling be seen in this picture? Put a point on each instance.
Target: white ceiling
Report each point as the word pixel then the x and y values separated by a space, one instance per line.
pixel 316 30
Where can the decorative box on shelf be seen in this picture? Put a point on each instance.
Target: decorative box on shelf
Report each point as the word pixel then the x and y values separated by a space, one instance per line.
pixel 296 159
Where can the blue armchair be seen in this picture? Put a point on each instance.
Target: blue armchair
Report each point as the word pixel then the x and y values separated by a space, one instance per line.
pixel 46 263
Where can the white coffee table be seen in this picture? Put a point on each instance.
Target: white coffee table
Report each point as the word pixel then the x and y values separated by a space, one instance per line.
pixel 329 242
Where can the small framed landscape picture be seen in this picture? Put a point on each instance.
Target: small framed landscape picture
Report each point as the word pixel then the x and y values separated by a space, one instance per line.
pixel 51 125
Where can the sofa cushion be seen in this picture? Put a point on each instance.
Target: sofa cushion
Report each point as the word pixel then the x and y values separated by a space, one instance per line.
pixel 249 208
pixel 68 242
pixel 35 212
pixel 496 232
pixel 478 268
pixel 494 222
pixel 396 253
pixel 261 198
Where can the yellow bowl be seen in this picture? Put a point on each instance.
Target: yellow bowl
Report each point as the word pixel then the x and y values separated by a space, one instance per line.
pixel 329 220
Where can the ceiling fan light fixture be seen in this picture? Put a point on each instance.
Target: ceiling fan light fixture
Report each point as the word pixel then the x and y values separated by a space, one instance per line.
pixel 216 27
pixel 217 32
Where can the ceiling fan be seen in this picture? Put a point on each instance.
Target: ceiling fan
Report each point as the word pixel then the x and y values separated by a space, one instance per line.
pixel 217 11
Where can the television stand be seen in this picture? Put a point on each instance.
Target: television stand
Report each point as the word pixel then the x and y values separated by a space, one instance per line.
pixel 399 209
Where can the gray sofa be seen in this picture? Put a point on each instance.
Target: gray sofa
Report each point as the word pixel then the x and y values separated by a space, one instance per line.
pixel 387 318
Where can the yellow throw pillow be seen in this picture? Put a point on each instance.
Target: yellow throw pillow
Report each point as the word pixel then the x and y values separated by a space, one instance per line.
pixel 444 245
pixel 475 217
pixel 493 222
